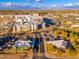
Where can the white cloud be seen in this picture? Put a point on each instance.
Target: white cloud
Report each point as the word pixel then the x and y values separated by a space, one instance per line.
pixel 16 4
pixel 38 0
pixel 54 5
pixel 6 4
pixel 69 4
pixel 9 4
pixel 76 3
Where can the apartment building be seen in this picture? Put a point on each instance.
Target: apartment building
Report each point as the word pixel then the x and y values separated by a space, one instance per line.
pixel 27 23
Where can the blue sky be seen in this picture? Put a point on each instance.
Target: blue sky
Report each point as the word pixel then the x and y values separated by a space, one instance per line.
pixel 39 3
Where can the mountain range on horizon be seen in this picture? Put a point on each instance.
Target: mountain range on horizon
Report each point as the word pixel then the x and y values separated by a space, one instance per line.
pixel 36 8
pixel 10 6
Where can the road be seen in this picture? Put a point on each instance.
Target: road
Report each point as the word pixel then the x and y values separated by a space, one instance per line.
pixel 40 55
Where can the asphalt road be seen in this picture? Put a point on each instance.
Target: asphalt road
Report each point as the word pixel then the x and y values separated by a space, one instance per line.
pixel 40 55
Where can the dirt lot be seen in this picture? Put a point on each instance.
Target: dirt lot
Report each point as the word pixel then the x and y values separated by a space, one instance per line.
pixel 15 56
pixel 12 55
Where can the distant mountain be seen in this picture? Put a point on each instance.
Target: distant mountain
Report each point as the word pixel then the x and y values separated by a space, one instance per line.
pixel 18 8
pixel 71 7
pixel 27 7
pixel 66 7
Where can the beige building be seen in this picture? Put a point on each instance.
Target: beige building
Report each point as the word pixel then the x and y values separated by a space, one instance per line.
pixel 27 23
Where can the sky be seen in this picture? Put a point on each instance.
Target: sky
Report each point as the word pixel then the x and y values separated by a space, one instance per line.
pixel 38 3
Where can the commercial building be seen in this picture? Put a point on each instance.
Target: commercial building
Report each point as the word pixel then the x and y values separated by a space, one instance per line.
pixel 59 43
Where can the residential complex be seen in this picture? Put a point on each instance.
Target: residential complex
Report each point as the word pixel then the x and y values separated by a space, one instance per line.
pixel 27 23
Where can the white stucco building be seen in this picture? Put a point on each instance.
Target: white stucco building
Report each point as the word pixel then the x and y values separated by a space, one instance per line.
pixel 27 23
pixel 58 43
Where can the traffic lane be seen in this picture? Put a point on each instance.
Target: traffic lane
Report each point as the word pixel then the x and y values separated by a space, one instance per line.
pixel 37 56
pixel 41 44
pixel 37 40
